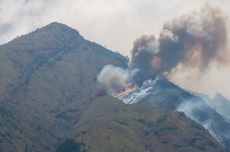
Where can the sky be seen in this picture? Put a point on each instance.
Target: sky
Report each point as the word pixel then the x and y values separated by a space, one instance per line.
pixel 114 24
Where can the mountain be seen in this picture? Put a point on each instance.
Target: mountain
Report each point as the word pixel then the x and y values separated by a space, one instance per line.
pixel 111 126
pixel 47 78
pixel 163 94
pixel 50 101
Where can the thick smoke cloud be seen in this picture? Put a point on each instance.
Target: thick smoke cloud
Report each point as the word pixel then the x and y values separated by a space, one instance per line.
pixel 142 57
pixel 113 78
pixel 191 44
pixel 201 39
pixel 193 40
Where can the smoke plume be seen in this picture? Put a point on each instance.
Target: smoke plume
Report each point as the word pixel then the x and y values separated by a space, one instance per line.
pixel 113 78
pixel 193 40
pixel 190 45
pixel 142 57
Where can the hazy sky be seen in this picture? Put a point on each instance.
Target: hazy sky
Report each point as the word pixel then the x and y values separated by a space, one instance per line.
pixel 112 23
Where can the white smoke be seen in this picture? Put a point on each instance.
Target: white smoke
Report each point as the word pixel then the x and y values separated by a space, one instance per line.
pixel 220 104
pixel 190 107
pixel 113 78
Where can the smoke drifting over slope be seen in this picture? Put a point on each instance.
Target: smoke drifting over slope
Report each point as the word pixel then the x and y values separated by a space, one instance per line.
pixel 194 40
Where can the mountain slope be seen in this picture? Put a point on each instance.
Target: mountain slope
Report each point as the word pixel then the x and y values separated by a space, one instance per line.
pixel 49 93
pixel 110 125
pixel 165 95
pixel 44 78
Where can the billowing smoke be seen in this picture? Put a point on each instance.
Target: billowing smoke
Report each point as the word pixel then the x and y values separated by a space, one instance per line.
pixel 189 45
pixel 142 56
pixel 194 40
pixel 113 78
pixel 201 38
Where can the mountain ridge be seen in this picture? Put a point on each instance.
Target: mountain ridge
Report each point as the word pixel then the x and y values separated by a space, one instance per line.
pixel 44 78
pixel 48 84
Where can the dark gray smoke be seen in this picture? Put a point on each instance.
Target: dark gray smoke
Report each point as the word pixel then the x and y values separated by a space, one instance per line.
pixel 195 40
pixel 142 57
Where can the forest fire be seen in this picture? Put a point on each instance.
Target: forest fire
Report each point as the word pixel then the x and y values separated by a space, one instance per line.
pixel 126 90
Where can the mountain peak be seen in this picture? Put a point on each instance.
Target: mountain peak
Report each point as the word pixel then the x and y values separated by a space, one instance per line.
pixel 57 24
pixel 58 27
pixel 53 34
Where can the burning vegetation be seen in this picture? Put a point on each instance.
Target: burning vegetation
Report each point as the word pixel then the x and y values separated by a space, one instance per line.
pixel 194 40
pixel 126 90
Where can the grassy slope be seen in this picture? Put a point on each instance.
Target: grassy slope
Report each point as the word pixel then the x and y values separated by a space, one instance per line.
pixel 109 125
pixel 48 80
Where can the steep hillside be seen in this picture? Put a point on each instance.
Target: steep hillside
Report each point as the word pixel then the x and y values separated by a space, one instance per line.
pixel 163 94
pixel 50 100
pixel 47 78
pixel 111 126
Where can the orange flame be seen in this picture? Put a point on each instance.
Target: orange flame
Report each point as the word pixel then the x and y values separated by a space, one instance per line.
pixel 126 89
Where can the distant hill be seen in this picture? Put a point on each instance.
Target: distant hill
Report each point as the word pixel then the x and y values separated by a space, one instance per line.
pixel 220 104
pixel 50 101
